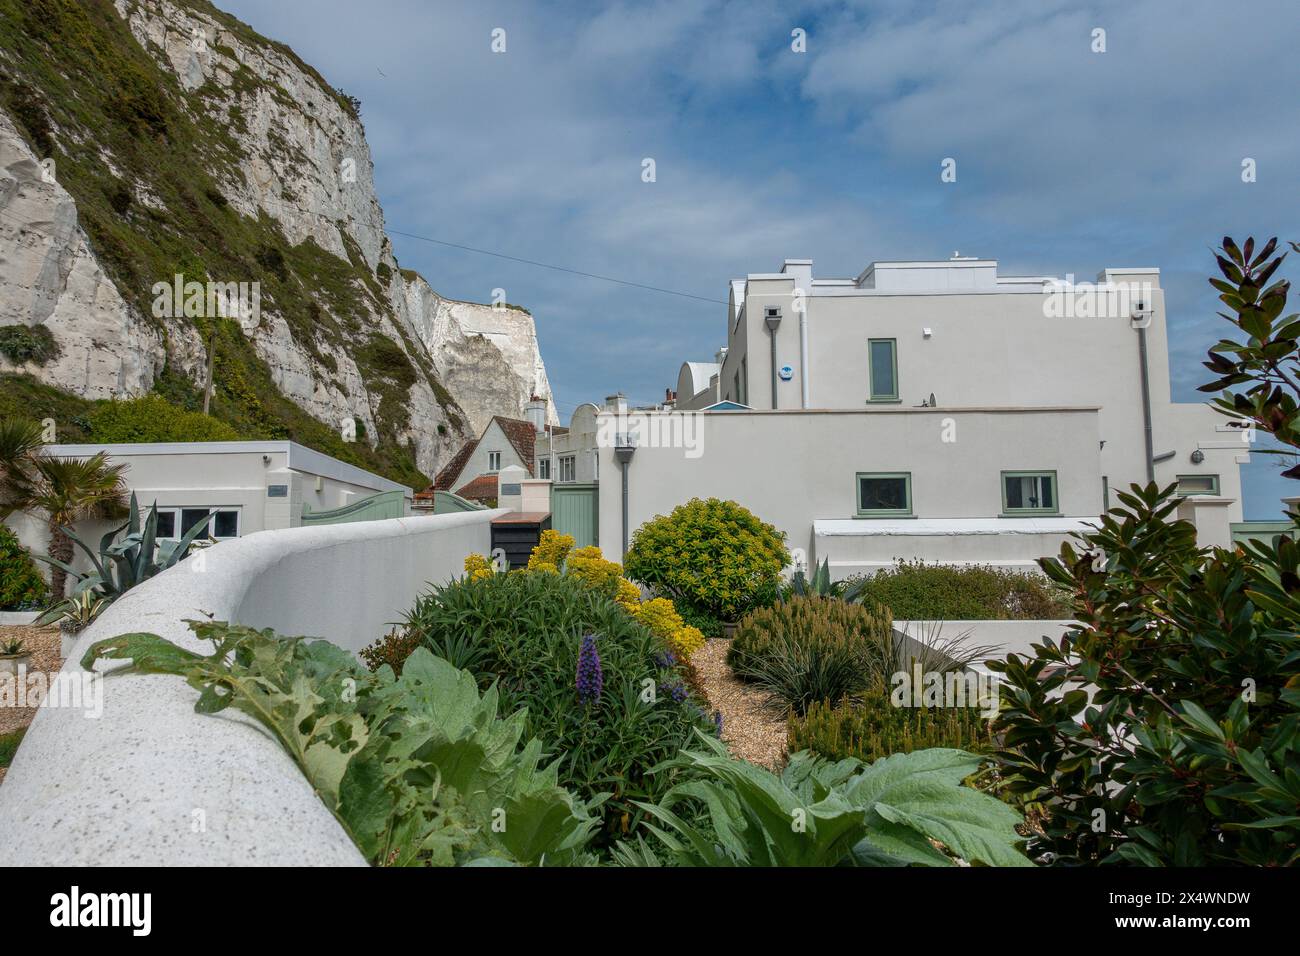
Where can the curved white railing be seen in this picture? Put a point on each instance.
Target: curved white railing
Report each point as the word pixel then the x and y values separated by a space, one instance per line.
pixel 148 781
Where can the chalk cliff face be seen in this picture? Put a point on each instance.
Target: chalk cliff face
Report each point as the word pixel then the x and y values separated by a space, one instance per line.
pixel 266 170
pixel 49 276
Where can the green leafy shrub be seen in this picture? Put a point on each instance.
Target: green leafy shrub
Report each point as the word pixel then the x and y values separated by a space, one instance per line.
pixel 1187 752
pixel 710 555
pixel 9 745
pixel 152 418
pixel 808 649
pixel 28 343
pixel 816 813
pixel 21 584
pixel 529 627
pixel 875 728
pixel 417 769
pixel 917 591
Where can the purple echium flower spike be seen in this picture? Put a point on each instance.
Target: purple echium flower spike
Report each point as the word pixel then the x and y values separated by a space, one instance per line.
pixel 591 678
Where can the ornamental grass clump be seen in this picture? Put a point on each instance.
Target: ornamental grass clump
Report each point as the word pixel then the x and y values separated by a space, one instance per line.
pixel 809 649
pixel 874 727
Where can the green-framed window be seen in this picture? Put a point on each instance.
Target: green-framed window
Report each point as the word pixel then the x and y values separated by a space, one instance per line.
pixel 1030 493
pixel 882 355
pixel 1198 484
pixel 884 493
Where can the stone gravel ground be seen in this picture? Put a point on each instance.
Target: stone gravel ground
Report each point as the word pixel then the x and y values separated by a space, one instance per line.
pixel 43 642
pixel 751 728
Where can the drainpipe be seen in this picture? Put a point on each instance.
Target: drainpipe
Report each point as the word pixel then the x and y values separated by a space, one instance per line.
pixel 623 455
pixel 773 322
pixel 803 352
pixel 1146 396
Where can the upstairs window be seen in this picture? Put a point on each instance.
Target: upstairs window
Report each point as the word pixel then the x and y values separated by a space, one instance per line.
pixel 544 468
pixel 881 494
pixel 884 369
pixel 568 465
pixel 494 461
pixel 1029 492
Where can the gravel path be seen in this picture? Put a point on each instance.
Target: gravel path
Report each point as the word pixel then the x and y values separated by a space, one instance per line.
pixel 43 642
pixel 751 728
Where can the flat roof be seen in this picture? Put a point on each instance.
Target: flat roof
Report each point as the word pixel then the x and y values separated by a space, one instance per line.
pixel 298 457
pixel 886 410
pixel 871 527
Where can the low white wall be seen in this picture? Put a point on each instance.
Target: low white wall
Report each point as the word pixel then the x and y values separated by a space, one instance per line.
pixel 150 782
pixel 1008 637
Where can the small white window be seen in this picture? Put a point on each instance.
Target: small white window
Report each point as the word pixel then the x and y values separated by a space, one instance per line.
pixel 568 468
pixel 494 461
pixel 544 468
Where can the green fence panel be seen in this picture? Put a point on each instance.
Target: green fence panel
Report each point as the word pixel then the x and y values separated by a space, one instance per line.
pixel 574 510
pixel 445 503
pixel 386 504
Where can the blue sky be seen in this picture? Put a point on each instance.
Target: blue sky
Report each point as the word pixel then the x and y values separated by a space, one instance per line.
pixel 1068 160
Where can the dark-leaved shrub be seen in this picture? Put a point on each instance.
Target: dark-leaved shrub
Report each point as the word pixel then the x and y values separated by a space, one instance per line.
pixel 21 584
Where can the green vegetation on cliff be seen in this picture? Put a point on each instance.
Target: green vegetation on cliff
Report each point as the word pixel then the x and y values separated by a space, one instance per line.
pixel 80 88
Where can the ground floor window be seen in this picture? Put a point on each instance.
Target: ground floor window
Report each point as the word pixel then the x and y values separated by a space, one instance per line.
pixel 568 465
pixel 1029 492
pixel 884 493
pixel 1198 484
pixel 223 523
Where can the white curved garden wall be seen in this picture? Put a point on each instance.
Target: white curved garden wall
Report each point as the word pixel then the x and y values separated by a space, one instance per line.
pixel 151 782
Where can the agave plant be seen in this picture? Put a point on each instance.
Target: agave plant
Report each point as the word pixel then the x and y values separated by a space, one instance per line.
pixel 120 565
pixel 74 613
pixel 819 585
pixel 906 809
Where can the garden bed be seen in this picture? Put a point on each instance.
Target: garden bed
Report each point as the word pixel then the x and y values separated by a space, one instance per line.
pixel 43 642
pixel 752 728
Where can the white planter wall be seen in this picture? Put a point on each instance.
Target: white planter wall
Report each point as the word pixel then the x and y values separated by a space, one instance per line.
pixel 150 782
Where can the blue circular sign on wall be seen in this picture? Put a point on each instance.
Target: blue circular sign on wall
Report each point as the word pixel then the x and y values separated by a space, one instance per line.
pixel 786 373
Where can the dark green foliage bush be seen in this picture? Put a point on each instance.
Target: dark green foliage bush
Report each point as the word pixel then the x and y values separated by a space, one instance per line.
pixel 873 728
pixel 916 591
pixel 152 418
pixel 28 343
pixel 713 556
pixel 1188 751
pixel 809 649
pixel 9 745
pixel 529 627
pixel 21 584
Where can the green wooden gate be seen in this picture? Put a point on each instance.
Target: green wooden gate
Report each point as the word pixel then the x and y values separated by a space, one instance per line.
pixel 574 510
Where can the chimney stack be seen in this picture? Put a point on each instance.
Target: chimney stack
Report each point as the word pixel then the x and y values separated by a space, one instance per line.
pixel 535 412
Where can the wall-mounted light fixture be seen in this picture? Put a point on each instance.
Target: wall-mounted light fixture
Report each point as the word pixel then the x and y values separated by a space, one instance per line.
pixel 927 332
pixel 1198 456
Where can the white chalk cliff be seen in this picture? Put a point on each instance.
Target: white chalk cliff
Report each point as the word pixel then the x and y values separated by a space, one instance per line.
pixel 303 162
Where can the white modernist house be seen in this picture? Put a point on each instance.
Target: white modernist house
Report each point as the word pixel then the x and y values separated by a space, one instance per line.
pixel 932 410
pixel 243 486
